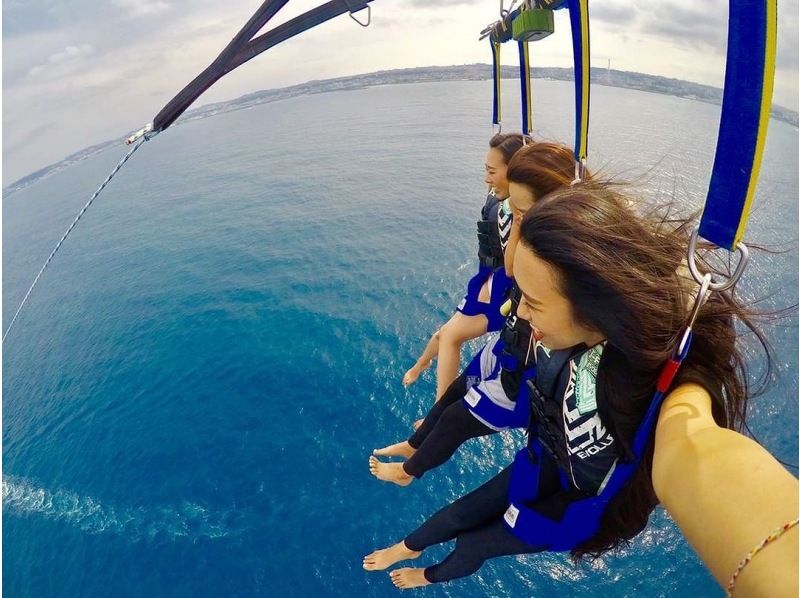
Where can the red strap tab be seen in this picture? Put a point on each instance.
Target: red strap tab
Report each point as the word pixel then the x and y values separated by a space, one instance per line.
pixel 667 374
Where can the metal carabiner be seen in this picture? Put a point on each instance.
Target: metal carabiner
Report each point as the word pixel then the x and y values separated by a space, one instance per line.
pixel 369 16
pixel 702 296
pixel 700 299
pixel 724 285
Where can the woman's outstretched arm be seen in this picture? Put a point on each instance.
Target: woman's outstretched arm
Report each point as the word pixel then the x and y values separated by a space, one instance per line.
pixel 726 493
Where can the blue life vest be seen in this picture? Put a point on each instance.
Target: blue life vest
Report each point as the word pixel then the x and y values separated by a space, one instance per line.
pixel 497 373
pixel 494 230
pixel 548 390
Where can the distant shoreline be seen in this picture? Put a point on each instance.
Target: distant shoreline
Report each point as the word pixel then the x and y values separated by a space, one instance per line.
pixel 469 72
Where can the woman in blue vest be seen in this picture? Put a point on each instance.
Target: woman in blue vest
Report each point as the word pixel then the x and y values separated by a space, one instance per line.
pixel 491 381
pixel 606 294
pixel 479 311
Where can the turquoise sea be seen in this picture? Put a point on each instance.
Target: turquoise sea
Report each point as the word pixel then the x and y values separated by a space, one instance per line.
pixel 192 391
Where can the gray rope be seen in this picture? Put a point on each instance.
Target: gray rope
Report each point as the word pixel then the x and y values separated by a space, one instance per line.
pixel 71 226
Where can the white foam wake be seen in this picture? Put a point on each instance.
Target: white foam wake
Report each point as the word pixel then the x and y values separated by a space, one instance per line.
pixel 187 520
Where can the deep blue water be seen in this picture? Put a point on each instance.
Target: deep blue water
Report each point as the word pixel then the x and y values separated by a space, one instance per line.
pixel 192 391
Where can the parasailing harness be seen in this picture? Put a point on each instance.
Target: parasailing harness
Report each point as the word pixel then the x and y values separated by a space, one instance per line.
pixel 747 97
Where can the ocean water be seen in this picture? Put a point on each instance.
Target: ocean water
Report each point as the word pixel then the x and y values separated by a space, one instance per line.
pixel 191 393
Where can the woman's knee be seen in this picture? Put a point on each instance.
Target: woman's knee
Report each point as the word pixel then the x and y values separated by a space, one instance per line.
pixel 446 333
pixel 454 332
pixel 451 421
pixel 460 519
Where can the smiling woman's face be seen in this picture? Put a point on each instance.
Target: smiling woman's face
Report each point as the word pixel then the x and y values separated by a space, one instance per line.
pixel 543 305
pixel 496 169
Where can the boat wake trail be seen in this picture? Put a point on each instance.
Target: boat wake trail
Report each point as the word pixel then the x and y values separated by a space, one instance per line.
pixel 187 520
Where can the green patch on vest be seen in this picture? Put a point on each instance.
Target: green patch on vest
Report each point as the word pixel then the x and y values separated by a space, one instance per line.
pixel 505 207
pixel 586 380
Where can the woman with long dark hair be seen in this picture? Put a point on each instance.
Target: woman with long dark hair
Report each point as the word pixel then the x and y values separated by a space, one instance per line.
pixel 479 311
pixel 606 292
pixel 492 379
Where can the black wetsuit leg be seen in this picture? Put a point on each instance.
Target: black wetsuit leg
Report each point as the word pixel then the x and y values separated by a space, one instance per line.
pixel 454 392
pixel 446 427
pixel 475 521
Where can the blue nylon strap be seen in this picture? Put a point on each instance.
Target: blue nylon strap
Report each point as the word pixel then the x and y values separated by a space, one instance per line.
pixel 471 305
pixel 624 471
pixel 496 101
pixel 579 21
pixel 581 520
pixel 650 418
pixel 525 87
pixel 745 114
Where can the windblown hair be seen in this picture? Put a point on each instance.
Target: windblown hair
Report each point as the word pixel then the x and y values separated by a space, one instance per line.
pixel 544 167
pixel 625 276
pixel 508 144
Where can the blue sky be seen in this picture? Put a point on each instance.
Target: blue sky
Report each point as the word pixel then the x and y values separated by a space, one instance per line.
pixel 78 72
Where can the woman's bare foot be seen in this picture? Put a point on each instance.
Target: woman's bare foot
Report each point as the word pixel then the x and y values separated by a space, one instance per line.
pixel 380 559
pixel 411 375
pixel 389 472
pixel 406 578
pixel 401 449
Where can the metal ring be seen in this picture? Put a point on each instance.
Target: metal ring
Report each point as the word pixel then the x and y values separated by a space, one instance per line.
pixel 369 17
pixel 724 285
pixel 580 169
pixel 487 31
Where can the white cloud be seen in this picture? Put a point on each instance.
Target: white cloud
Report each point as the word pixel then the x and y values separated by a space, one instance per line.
pixel 70 54
pixel 141 8
pixel 128 65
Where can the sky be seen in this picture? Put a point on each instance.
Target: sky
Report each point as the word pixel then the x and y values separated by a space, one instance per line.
pixel 79 72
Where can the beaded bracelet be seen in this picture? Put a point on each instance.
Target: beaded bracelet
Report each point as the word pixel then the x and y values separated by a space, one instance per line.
pixel 743 563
